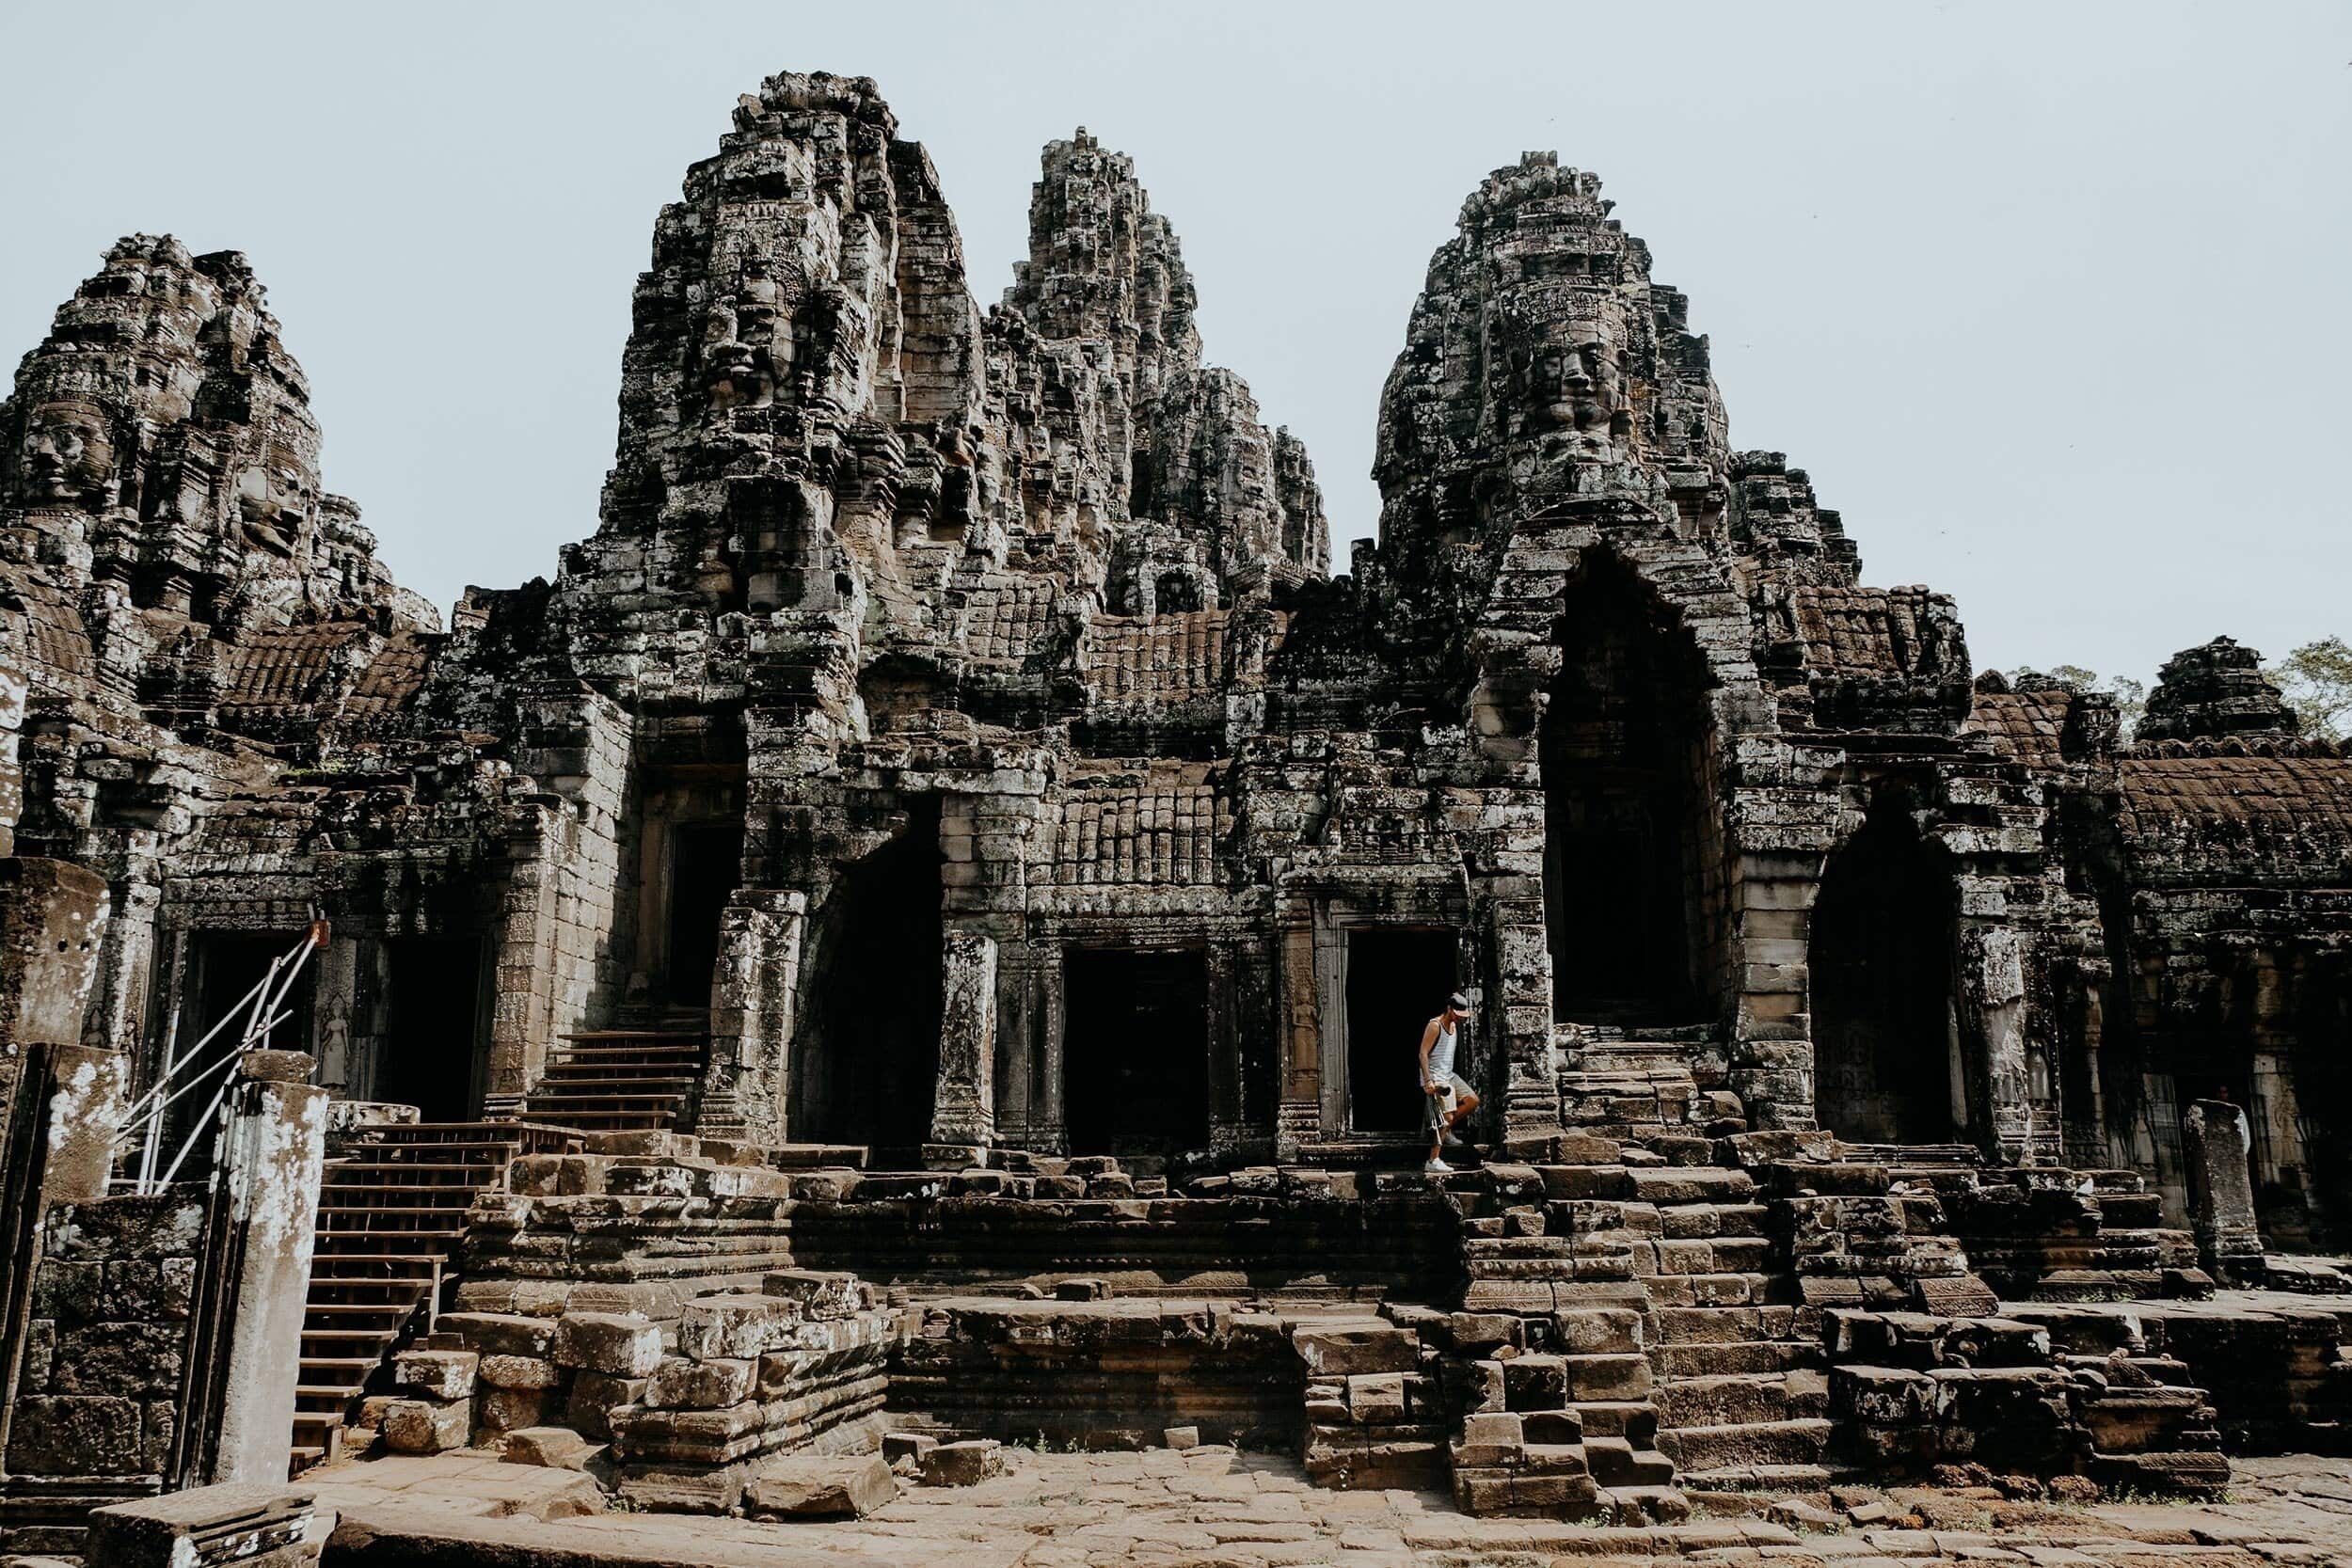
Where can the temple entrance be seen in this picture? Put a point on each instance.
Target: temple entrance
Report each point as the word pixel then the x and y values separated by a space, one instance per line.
pixel 706 867
pixel 434 996
pixel 865 1064
pixel 1136 1050
pixel 1397 981
pixel 1626 844
pixel 1881 960
pixel 224 966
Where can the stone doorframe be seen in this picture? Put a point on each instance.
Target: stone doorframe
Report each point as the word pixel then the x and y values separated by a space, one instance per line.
pixel 1760 981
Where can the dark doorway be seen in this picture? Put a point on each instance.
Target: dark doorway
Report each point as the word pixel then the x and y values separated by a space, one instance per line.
pixel 867 1061
pixel 1625 846
pixel 223 968
pixel 433 1015
pixel 1881 960
pixel 1397 981
pixel 706 867
pixel 1136 1050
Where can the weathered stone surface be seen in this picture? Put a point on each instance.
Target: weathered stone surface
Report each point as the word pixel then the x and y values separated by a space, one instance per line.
pixel 552 1447
pixel 1047 793
pixel 847 1488
pixel 608 1343
pixel 435 1374
pixel 426 1426
pixel 964 1464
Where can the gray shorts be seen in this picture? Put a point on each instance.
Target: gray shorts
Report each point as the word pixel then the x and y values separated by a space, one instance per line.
pixel 1434 1108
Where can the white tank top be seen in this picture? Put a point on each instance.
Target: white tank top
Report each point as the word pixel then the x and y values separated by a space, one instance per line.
pixel 1441 1054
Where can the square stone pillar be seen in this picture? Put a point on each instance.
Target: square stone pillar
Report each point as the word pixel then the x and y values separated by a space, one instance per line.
pixel 2219 1147
pixel 754 997
pixel 273 1154
pixel 963 1108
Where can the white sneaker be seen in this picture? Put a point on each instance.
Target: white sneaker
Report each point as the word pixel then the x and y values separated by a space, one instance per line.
pixel 1437 1167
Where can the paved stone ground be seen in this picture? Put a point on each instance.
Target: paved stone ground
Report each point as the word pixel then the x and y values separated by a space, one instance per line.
pixel 1213 1507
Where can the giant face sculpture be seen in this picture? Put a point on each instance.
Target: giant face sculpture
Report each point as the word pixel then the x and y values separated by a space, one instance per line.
pixel 270 512
pixel 68 455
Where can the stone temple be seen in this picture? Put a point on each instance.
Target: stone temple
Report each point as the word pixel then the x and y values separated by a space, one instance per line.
pixel 918 931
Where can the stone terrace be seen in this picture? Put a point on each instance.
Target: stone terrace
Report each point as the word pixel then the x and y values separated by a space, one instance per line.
pixel 1210 1507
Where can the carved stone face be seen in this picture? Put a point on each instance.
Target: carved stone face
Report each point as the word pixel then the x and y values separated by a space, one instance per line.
pixel 269 515
pixel 1559 382
pixel 68 455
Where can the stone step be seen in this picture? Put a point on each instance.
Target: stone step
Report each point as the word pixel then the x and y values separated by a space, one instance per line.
pixel 1747 1443
pixel 1634 1420
pixel 1712 1255
pixel 1706 1290
pixel 1552 1382
pixel 1614 1461
pixel 1742 1398
pixel 1717 1325
pixel 1758 1478
pixel 1695 1220
pixel 1664 1185
pixel 1645 1505
pixel 1723 1360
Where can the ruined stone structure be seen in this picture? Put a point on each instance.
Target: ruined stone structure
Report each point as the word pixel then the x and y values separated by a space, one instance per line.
pixel 949 784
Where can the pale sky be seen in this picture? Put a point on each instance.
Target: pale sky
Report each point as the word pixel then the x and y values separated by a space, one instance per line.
pixel 2050 299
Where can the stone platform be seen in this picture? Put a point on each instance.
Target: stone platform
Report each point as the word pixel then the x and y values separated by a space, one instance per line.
pixel 1211 1507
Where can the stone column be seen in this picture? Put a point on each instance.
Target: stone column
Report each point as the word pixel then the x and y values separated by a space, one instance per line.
pixel 1298 1114
pixel 523 1009
pixel 1993 981
pixel 747 1079
pixel 963 1110
pixel 1518 1022
pixel 2221 1191
pixel 271 1157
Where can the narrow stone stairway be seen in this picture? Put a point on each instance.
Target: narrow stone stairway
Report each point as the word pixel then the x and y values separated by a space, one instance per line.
pixel 619 1079
pixel 1742 1399
pixel 1625 1084
pixel 391 1209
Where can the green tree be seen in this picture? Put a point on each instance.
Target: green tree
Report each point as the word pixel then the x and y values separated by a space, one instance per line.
pixel 2131 696
pixel 2316 681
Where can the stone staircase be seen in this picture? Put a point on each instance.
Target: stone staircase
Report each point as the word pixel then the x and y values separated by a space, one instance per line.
pixel 1548 1354
pixel 391 1209
pixel 625 1080
pixel 1742 1402
pixel 1626 1082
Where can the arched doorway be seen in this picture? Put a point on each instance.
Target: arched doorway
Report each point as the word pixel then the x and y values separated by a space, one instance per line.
pixel 866 1056
pixel 1881 961
pixel 1627 838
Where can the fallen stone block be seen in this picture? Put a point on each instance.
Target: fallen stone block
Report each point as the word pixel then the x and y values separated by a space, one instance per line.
pixel 549 1448
pixel 435 1374
pixel 1180 1437
pixel 905 1451
pixel 242 1522
pixel 964 1464
pixel 819 1488
pixel 426 1426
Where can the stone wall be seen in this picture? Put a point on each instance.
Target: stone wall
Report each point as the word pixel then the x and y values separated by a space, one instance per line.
pixel 109 1340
